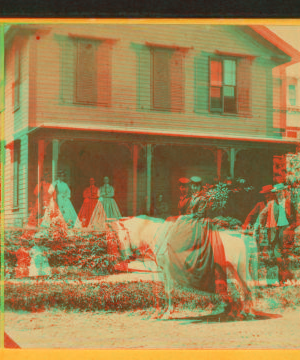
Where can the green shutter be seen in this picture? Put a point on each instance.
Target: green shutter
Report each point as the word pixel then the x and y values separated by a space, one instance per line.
pixel 68 66
pixel 177 81
pixel 86 79
pixel 244 79
pixel 201 83
pixel 104 73
pixel 143 81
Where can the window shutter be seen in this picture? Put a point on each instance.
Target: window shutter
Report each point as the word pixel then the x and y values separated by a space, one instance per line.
pixel 68 66
pixel 16 85
pixel 143 80
pixel 86 89
pixel 201 83
pixel 177 81
pixel 161 79
pixel 244 86
pixel 277 83
pixel 104 73
pixel 16 174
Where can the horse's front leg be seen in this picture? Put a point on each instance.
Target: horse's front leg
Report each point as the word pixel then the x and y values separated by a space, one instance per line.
pixel 168 291
pixel 165 278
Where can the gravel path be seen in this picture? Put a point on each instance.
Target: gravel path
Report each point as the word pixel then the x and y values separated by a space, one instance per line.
pixel 136 330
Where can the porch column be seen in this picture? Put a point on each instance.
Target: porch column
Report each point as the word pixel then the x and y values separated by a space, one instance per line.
pixel 41 155
pixel 232 153
pixel 219 162
pixel 55 152
pixel 149 165
pixel 135 154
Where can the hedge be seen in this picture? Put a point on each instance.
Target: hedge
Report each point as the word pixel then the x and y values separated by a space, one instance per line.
pixel 94 251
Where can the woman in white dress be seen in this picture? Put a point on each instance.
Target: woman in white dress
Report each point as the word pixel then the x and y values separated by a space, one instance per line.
pixel 110 206
pixel 63 200
pixel 52 210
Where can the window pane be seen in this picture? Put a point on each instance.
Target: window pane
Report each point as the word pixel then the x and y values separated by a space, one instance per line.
pixel 229 91
pixel 215 98
pixel 216 73
pixel 229 99
pixel 292 94
pixel 229 72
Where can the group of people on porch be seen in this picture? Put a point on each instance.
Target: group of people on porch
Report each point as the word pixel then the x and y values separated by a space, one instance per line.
pixel 98 204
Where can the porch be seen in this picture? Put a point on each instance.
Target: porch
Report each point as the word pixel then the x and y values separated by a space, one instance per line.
pixel 140 166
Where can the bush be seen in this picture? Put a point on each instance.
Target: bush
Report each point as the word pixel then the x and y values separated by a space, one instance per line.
pixel 88 252
pixel 125 296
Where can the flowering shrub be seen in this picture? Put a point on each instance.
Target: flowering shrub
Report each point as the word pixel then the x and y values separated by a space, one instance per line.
pixel 227 222
pixel 218 195
pixel 122 296
pixel 88 252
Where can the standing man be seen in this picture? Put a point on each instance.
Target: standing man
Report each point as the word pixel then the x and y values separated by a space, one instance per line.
pixel 184 199
pixel 280 216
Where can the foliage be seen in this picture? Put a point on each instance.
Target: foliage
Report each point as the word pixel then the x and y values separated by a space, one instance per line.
pixel 127 296
pixel 218 195
pixel 122 296
pixel 87 252
pixel 227 222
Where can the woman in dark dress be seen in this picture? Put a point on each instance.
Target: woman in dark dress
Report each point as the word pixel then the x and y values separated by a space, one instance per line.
pixel 196 252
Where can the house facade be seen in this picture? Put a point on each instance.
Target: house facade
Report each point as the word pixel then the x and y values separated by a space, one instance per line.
pixel 142 104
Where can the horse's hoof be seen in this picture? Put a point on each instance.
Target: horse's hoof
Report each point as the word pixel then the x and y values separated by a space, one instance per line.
pixel 249 315
pixel 166 316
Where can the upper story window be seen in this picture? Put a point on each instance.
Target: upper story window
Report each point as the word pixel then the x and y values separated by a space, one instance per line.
pixel 223 86
pixel 292 94
pixel 166 79
pixel 16 81
pixel 86 71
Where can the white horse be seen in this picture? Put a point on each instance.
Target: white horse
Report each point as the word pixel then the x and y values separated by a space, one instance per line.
pixel 147 234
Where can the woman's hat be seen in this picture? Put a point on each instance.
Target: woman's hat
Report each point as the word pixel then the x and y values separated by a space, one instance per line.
pixel 184 180
pixel 266 189
pixel 279 187
pixel 196 179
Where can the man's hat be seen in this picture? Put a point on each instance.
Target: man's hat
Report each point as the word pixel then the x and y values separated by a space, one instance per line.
pixel 266 189
pixel 92 179
pixel 196 179
pixel 184 181
pixel 279 187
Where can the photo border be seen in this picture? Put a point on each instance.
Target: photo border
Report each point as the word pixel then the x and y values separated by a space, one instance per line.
pixel 45 354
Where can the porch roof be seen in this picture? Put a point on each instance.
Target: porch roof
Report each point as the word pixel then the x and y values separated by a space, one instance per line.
pixel 161 138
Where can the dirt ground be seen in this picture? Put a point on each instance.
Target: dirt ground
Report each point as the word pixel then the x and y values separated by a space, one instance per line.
pixel 137 330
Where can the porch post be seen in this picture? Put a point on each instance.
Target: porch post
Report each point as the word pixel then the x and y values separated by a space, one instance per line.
pixel 219 162
pixel 135 163
pixel 41 155
pixel 232 161
pixel 149 165
pixel 55 151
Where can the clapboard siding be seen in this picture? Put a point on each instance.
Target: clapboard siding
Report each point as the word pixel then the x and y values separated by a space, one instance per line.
pixel 129 108
pixel 16 121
